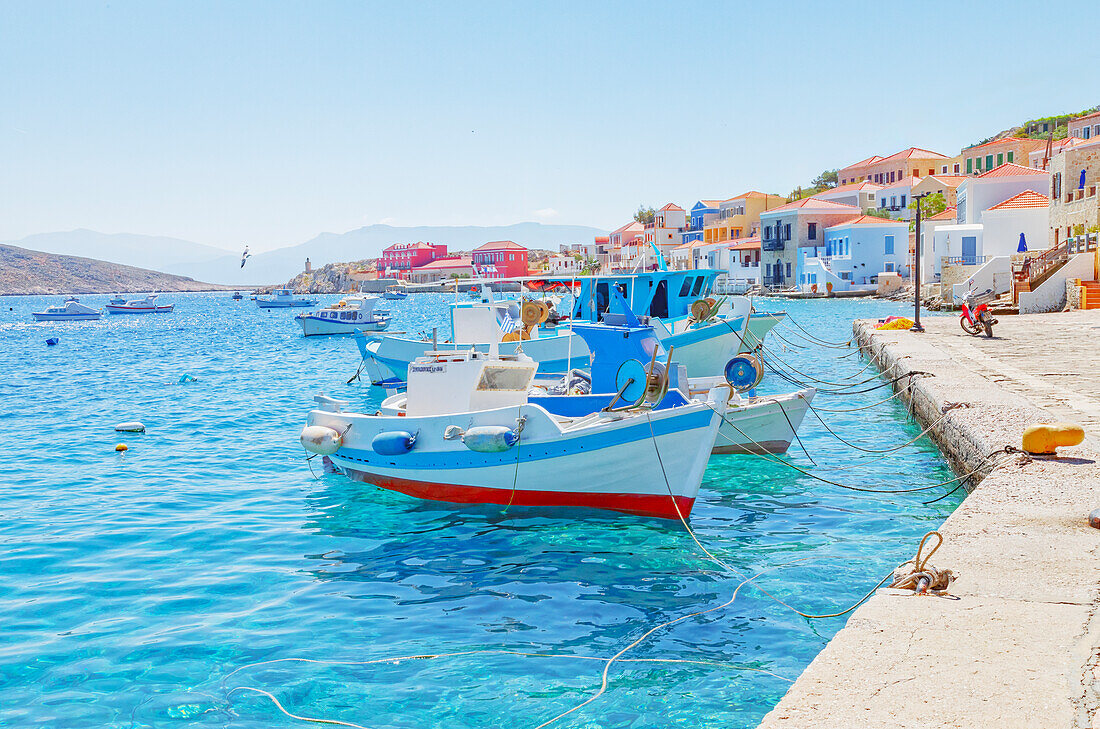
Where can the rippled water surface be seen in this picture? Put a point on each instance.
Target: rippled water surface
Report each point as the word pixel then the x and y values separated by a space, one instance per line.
pixel 140 589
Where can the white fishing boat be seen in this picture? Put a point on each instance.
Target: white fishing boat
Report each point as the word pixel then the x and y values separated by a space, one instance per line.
pixel 148 305
pixel 283 299
pixel 348 315
pixel 465 432
pixel 71 310
pixel 396 292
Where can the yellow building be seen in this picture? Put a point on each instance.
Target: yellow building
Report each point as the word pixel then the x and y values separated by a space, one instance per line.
pixel 947 184
pixel 912 162
pixel 739 217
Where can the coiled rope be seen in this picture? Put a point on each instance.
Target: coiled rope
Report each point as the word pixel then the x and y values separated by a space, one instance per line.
pixel 922 577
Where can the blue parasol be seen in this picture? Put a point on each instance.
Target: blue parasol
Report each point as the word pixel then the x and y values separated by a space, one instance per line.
pixel 1022 248
pixel 1081 184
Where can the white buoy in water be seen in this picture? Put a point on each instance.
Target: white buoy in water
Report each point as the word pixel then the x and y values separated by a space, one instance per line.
pixel 133 426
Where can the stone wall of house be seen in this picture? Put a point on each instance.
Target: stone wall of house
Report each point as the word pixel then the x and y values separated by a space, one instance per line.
pixel 1073 294
pixel 953 273
pixel 1086 210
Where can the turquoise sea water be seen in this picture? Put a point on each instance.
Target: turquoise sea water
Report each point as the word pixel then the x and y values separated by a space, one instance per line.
pixel 133 586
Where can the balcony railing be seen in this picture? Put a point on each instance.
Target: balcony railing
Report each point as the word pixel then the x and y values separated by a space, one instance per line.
pixel 963 260
pixel 772 244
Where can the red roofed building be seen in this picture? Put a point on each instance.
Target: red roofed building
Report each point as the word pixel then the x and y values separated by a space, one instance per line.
pixel 500 259
pixel 911 162
pixel 400 258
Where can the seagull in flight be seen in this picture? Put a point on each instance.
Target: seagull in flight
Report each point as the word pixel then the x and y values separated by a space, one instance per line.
pixel 244 256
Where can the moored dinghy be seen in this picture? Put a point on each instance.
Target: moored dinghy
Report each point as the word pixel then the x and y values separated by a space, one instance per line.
pixel 283 299
pixel 466 433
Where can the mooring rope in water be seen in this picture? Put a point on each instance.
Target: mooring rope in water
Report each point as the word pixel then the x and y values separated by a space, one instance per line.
pixel 814 338
pixel 763 454
pixel 734 570
pixel 434 656
pixel 892 449
pixel 770 358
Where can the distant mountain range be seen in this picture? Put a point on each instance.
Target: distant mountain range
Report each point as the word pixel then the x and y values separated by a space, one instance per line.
pixel 34 272
pixel 156 252
pixel 207 263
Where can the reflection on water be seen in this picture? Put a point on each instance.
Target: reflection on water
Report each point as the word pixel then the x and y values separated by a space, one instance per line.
pixel 132 587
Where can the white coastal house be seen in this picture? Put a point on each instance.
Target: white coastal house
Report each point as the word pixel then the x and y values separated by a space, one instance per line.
pixel 743 269
pixel 977 236
pixel 853 253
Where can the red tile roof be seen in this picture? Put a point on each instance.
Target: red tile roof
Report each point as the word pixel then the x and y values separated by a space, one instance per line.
pixel 951 181
pixel 500 245
pixel 1025 199
pixel 948 214
pixel 813 203
pixel 1011 169
pixel 914 152
pixel 633 226
pixel 744 244
pixel 673 206
pixel 867 220
pixel 999 141
pixel 1086 116
pixel 445 263
pixel 862 163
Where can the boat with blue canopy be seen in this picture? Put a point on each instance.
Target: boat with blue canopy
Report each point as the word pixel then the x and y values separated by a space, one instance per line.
pixel 705 330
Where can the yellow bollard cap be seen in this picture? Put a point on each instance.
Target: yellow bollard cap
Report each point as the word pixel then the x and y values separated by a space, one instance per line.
pixel 1044 438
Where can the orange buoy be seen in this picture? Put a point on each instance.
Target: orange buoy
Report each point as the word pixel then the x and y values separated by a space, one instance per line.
pixel 121 447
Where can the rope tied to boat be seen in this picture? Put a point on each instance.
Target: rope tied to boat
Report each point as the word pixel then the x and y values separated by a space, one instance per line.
pixel 919 576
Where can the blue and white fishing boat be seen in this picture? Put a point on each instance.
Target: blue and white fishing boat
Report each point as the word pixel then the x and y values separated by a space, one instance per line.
pixel 348 315
pixel 623 347
pixel 148 305
pixel 397 292
pixel 283 299
pixel 706 332
pixel 465 432
pixel 71 310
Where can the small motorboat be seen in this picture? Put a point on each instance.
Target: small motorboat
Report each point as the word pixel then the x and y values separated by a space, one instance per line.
pixel 465 432
pixel 148 305
pixel 347 316
pixel 283 299
pixel 71 310
pixel 237 296
pixel 396 292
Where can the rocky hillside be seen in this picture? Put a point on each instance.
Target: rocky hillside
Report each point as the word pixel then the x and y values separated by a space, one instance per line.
pixel 24 271
pixel 331 278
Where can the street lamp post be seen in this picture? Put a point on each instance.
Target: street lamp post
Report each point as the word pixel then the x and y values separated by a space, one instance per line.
pixel 916 270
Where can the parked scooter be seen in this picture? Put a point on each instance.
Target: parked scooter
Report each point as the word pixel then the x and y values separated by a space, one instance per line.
pixel 975 321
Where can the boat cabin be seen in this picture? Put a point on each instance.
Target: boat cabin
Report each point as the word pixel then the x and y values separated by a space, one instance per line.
pixel 444 382
pixel 658 294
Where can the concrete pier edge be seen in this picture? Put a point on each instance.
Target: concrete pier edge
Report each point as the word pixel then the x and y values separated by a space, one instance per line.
pixel 1017 644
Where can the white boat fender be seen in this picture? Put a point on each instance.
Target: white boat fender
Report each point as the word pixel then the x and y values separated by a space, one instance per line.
pixel 322 440
pixel 489 438
pixel 393 442
pixel 132 426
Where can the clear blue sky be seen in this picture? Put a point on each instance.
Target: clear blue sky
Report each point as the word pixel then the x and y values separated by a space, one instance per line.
pixel 265 123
